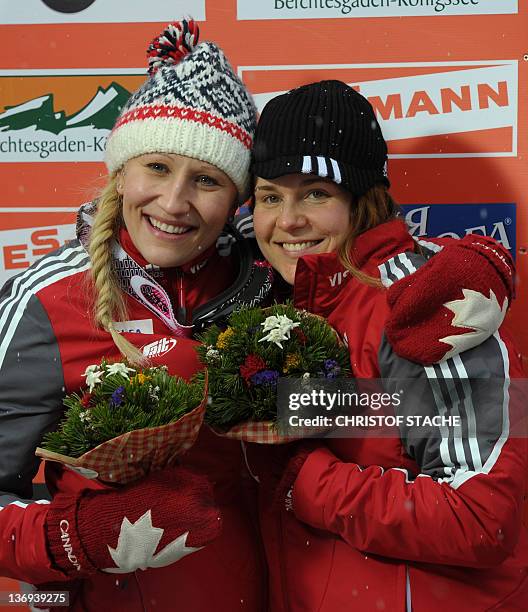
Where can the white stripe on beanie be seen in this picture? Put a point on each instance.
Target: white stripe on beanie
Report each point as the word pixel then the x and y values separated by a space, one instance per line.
pixel 307 165
pixel 337 172
pixel 322 167
pixel 323 164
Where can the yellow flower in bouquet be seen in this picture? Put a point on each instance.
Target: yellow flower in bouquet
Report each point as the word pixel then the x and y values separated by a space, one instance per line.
pixel 127 421
pixel 246 361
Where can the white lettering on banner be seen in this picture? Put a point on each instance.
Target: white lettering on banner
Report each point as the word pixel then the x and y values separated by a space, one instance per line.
pixel 39 130
pixel 19 248
pixel 318 9
pixel 417 220
pixel 479 96
pixel 99 11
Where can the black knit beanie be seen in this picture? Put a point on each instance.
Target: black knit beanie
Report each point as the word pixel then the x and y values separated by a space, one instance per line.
pixel 325 128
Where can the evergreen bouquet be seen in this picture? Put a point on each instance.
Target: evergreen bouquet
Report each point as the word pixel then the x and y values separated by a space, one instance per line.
pixel 127 422
pixel 246 360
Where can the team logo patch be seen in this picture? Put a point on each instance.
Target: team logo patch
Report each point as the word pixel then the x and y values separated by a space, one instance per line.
pixel 137 326
pixel 159 348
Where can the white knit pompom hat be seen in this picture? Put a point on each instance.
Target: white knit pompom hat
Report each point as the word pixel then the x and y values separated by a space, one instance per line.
pixel 193 104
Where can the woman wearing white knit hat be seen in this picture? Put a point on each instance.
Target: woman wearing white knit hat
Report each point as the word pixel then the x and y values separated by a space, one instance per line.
pixel 151 265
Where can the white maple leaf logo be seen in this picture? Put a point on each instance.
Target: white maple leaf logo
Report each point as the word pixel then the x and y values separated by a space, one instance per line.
pixel 137 543
pixel 482 315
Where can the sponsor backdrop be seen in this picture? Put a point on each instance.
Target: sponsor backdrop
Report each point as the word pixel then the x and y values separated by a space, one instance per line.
pixel 448 80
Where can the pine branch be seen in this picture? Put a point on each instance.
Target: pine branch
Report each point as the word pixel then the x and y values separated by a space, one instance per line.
pixel 311 348
pixel 119 404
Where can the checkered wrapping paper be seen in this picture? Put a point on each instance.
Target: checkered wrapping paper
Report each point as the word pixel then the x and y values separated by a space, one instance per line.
pixel 261 432
pixel 266 432
pixel 134 454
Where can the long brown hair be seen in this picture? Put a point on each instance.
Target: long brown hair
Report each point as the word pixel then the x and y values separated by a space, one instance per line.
pixel 370 210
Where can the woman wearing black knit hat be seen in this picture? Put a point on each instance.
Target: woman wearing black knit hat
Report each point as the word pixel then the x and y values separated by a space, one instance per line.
pixel 431 518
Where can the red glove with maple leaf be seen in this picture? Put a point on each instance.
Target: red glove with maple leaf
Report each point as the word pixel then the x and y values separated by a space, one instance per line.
pixel 454 302
pixel 151 523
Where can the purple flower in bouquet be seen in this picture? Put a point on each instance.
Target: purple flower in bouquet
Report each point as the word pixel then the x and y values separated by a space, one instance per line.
pixel 332 368
pixel 117 396
pixel 265 377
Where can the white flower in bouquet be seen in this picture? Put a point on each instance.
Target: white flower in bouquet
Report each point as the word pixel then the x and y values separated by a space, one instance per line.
pixel 282 322
pixel 279 328
pixel 118 368
pixel 212 355
pixel 93 375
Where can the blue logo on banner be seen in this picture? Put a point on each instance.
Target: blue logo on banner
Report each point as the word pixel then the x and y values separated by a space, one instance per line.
pixel 457 220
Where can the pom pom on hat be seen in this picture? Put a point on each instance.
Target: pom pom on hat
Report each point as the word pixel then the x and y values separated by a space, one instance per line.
pixel 175 42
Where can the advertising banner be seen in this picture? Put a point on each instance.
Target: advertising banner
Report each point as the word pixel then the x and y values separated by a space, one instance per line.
pixel 27 234
pixel 321 9
pixel 458 220
pixel 61 115
pixel 97 11
pixel 448 109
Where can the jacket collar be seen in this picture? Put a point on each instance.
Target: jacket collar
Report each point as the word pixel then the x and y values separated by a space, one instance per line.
pixel 319 279
pixel 380 243
pixel 192 267
pixel 252 286
pixel 370 249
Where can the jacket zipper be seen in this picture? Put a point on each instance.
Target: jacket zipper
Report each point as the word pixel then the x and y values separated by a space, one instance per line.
pixel 282 564
pixel 279 531
pixel 408 600
pixel 181 311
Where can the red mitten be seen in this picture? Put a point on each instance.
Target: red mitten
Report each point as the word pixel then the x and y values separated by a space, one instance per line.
pixel 452 303
pixel 151 523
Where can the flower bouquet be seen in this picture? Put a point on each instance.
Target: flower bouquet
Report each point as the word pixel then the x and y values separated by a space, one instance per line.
pixel 246 360
pixel 127 423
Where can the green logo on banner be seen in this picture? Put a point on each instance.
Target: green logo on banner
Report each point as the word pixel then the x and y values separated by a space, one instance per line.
pixel 100 112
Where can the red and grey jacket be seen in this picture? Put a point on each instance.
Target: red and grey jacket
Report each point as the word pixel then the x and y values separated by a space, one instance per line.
pixel 408 523
pixel 47 339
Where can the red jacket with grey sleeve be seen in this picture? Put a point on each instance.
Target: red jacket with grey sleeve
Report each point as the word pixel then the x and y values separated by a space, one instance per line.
pixel 409 522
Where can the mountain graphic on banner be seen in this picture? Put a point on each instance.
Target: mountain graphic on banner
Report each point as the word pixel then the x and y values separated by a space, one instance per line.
pixel 100 112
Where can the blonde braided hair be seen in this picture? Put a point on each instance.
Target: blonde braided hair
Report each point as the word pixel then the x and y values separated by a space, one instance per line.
pixel 109 300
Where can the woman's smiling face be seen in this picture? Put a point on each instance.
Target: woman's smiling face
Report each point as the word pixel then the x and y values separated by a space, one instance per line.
pixel 299 214
pixel 174 207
